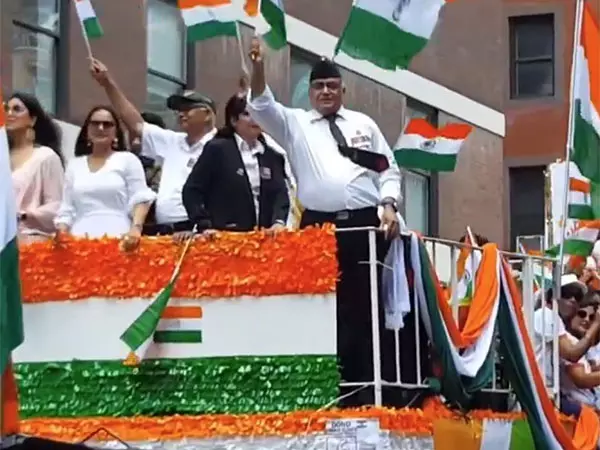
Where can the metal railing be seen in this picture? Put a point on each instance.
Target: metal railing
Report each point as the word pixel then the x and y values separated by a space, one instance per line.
pixel 444 255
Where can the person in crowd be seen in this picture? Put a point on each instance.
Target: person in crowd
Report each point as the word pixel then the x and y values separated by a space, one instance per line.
pixel 545 328
pixel 178 151
pixel 105 188
pixel 238 182
pixel 293 220
pixel 579 382
pixel 36 165
pixel 345 172
pixel 152 167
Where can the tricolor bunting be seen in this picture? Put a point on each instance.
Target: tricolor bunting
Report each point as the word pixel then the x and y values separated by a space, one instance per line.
pixel 586 101
pixel 89 21
pixel 423 146
pixel 389 33
pixel 271 14
pixel 206 19
pixel 11 314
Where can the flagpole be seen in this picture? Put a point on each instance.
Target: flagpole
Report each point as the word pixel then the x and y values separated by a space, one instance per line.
pixel 241 48
pixel 570 131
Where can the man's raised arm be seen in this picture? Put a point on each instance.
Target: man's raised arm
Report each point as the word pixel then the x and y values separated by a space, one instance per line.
pixel 125 109
pixel 272 116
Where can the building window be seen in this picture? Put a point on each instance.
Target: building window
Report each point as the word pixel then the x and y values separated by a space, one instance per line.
pixel 527 202
pixel 35 40
pixel 167 56
pixel 417 184
pixel 300 66
pixel 532 56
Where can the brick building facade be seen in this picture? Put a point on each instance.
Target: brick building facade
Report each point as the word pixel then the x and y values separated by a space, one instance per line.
pixel 501 65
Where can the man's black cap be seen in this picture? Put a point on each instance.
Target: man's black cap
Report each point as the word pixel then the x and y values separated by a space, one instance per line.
pixel 325 68
pixel 189 100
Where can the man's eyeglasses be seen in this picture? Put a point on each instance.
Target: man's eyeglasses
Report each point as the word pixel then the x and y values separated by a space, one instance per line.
pixel 320 85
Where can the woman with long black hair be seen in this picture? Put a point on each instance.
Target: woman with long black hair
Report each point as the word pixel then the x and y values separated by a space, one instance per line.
pixel 105 187
pixel 36 165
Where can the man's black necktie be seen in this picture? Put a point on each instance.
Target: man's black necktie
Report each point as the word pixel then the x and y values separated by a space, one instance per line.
pixel 363 158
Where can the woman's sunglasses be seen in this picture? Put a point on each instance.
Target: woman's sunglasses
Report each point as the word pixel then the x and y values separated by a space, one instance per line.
pixel 583 314
pixel 17 109
pixel 102 123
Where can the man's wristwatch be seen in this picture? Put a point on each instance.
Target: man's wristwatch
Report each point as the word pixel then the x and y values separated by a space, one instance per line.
pixel 389 201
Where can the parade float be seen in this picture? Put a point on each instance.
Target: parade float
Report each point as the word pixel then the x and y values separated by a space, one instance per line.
pixel 244 354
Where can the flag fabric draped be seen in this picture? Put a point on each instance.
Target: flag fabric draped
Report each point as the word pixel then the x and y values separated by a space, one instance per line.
pixel 389 33
pixel 206 19
pixel 496 303
pixel 89 20
pixel 586 101
pixel 11 312
pixel 580 200
pixel 272 24
pixel 423 146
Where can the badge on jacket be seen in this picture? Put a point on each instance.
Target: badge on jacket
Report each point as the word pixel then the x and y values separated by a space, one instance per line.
pixel 265 173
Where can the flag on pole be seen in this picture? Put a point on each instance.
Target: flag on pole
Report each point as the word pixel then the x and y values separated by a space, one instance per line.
pixel 389 33
pixel 11 310
pixel 272 21
pixel 580 200
pixel 423 146
pixel 206 19
pixel 139 335
pixel 89 21
pixel 467 265
pixel 581 241
pixel 586 101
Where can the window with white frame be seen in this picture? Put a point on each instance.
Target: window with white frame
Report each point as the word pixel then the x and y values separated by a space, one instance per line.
pixel 35 40
pixel 167 56
pixel 416 184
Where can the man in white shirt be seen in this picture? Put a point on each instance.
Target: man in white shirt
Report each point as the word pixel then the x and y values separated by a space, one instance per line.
pixel 344 172
pixel 178 151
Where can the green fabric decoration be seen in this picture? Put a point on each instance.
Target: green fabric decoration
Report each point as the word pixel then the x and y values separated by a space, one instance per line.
pixel 224 385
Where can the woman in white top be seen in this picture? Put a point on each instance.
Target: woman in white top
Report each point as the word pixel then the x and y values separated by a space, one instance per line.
pixel 577 379
pixel 105 187
pixel 36 165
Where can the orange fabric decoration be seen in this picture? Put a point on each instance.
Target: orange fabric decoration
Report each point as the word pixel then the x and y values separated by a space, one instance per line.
pixel 231 264
pixel 251 7
pixel 485 296
pixel 10 403
pixel 414 422
pixel 587 430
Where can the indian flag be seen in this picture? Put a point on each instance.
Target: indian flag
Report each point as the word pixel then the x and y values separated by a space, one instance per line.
pixel 272 21
pixel 581 241
pixel 423 146
pixel 89 21
pixel 586 104
pixel 580 201
pixel 11 318
pixel 206 19
pixel 466 268
pixel 389 33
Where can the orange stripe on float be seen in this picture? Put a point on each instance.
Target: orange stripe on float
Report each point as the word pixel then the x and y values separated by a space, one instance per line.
pixel 182 312
pixel 590 39
pixel 188 4
pixel 428 131
pixel 579 185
